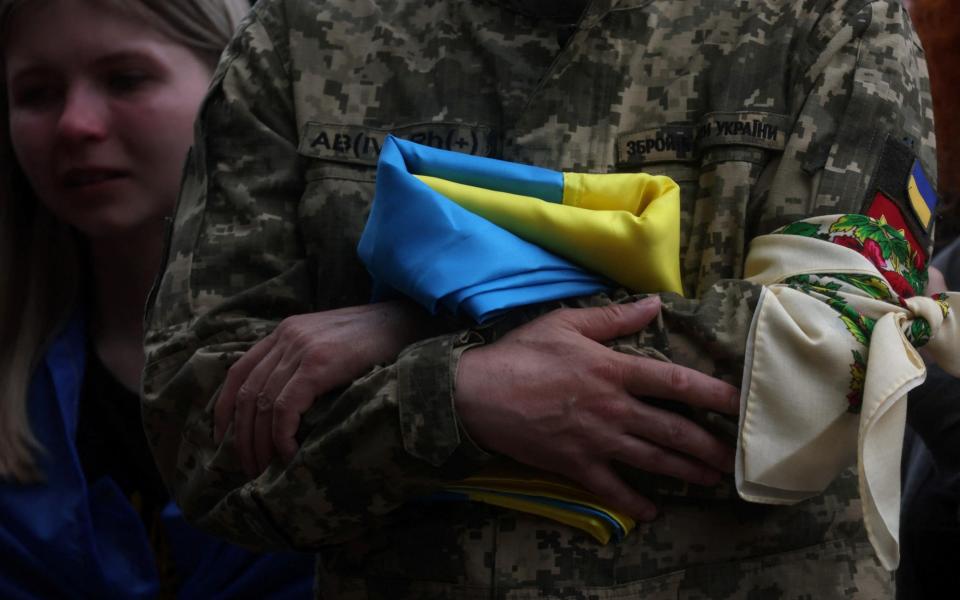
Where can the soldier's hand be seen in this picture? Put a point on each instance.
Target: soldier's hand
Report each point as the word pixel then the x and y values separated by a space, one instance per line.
pixel 268 389
pixel 551 395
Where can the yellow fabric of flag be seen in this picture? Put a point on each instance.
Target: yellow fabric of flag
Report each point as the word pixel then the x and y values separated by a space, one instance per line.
pixel 918 202
pixel 625 226
pixel 527 490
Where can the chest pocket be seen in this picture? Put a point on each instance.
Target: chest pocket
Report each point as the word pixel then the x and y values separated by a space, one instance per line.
pixel 332 212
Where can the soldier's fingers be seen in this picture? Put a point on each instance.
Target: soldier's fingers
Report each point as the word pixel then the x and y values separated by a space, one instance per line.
pixel 654 378
pixel 225 406
pixel 655 459
pixel 678 434
pixel 247 398
pixel 263 446
pixel 279 376
pixel 297 396
pixel 603 323
pixel 600 479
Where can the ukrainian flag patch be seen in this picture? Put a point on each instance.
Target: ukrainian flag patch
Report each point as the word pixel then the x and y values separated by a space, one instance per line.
pixel 922 198
pixel 900 192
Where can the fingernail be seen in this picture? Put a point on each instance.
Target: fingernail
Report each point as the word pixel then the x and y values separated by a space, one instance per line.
pixel 645 304
pixel 647 301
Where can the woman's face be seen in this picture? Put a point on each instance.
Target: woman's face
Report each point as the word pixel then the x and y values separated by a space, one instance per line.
pixel 101 113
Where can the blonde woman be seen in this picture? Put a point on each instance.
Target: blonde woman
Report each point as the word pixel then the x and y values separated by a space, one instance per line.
pixel 99 102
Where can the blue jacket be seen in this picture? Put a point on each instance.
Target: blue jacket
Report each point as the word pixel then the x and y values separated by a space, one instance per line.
pixel 68 537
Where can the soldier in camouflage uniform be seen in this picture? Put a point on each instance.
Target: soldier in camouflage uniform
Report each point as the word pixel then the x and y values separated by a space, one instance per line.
pixel 764 111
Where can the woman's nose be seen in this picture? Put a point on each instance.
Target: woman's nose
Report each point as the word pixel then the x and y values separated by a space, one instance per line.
pixel 84 117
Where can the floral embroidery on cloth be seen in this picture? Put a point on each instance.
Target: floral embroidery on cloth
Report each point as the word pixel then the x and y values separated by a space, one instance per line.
pixel 899 263
pixel 839 322
pixel 883 245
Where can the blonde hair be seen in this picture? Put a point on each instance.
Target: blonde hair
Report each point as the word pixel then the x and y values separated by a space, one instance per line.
pixel 40 269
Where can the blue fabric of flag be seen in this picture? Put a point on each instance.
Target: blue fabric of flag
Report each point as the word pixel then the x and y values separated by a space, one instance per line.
pixel 923 186
pixel 420 244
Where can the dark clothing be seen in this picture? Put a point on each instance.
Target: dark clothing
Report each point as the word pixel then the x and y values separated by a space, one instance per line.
pixel 930 510
pixel 77 534
pixel 934 416
pixel 111 443
pixel 110 439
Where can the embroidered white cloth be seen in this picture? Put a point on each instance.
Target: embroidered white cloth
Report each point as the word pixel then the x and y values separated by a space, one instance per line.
pixel 831 355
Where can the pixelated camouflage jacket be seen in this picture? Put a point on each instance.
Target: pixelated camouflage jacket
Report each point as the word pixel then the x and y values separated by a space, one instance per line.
pixel 763 111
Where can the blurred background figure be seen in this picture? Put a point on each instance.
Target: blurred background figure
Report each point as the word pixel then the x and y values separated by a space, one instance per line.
pixel 930 516
pixel 98 108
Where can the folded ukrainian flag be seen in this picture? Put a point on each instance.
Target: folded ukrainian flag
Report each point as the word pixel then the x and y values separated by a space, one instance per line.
pixel 479 236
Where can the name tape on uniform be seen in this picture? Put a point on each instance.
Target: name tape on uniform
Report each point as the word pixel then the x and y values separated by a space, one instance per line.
pixel 683 143
pixel 357 144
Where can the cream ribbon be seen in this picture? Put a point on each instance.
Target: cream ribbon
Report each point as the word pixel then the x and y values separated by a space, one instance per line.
pixel 796 430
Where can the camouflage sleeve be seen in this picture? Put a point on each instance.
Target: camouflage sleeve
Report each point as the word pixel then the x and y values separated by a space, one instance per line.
pixel 236 267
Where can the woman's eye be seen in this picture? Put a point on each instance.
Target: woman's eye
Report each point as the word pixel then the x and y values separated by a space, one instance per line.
pixel 35 96
pixel 127 81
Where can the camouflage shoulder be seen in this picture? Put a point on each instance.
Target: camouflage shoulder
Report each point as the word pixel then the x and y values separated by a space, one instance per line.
pixel 261 31
pixel 881 95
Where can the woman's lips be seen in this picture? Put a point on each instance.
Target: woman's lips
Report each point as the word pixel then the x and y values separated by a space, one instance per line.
pixel 82 177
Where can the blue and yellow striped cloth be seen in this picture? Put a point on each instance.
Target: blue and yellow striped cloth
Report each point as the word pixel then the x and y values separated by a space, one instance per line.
pixel 478 235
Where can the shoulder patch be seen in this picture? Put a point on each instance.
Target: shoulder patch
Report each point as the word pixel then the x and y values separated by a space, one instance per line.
pixel 901 194
pixel 885 209
pixel 923 200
